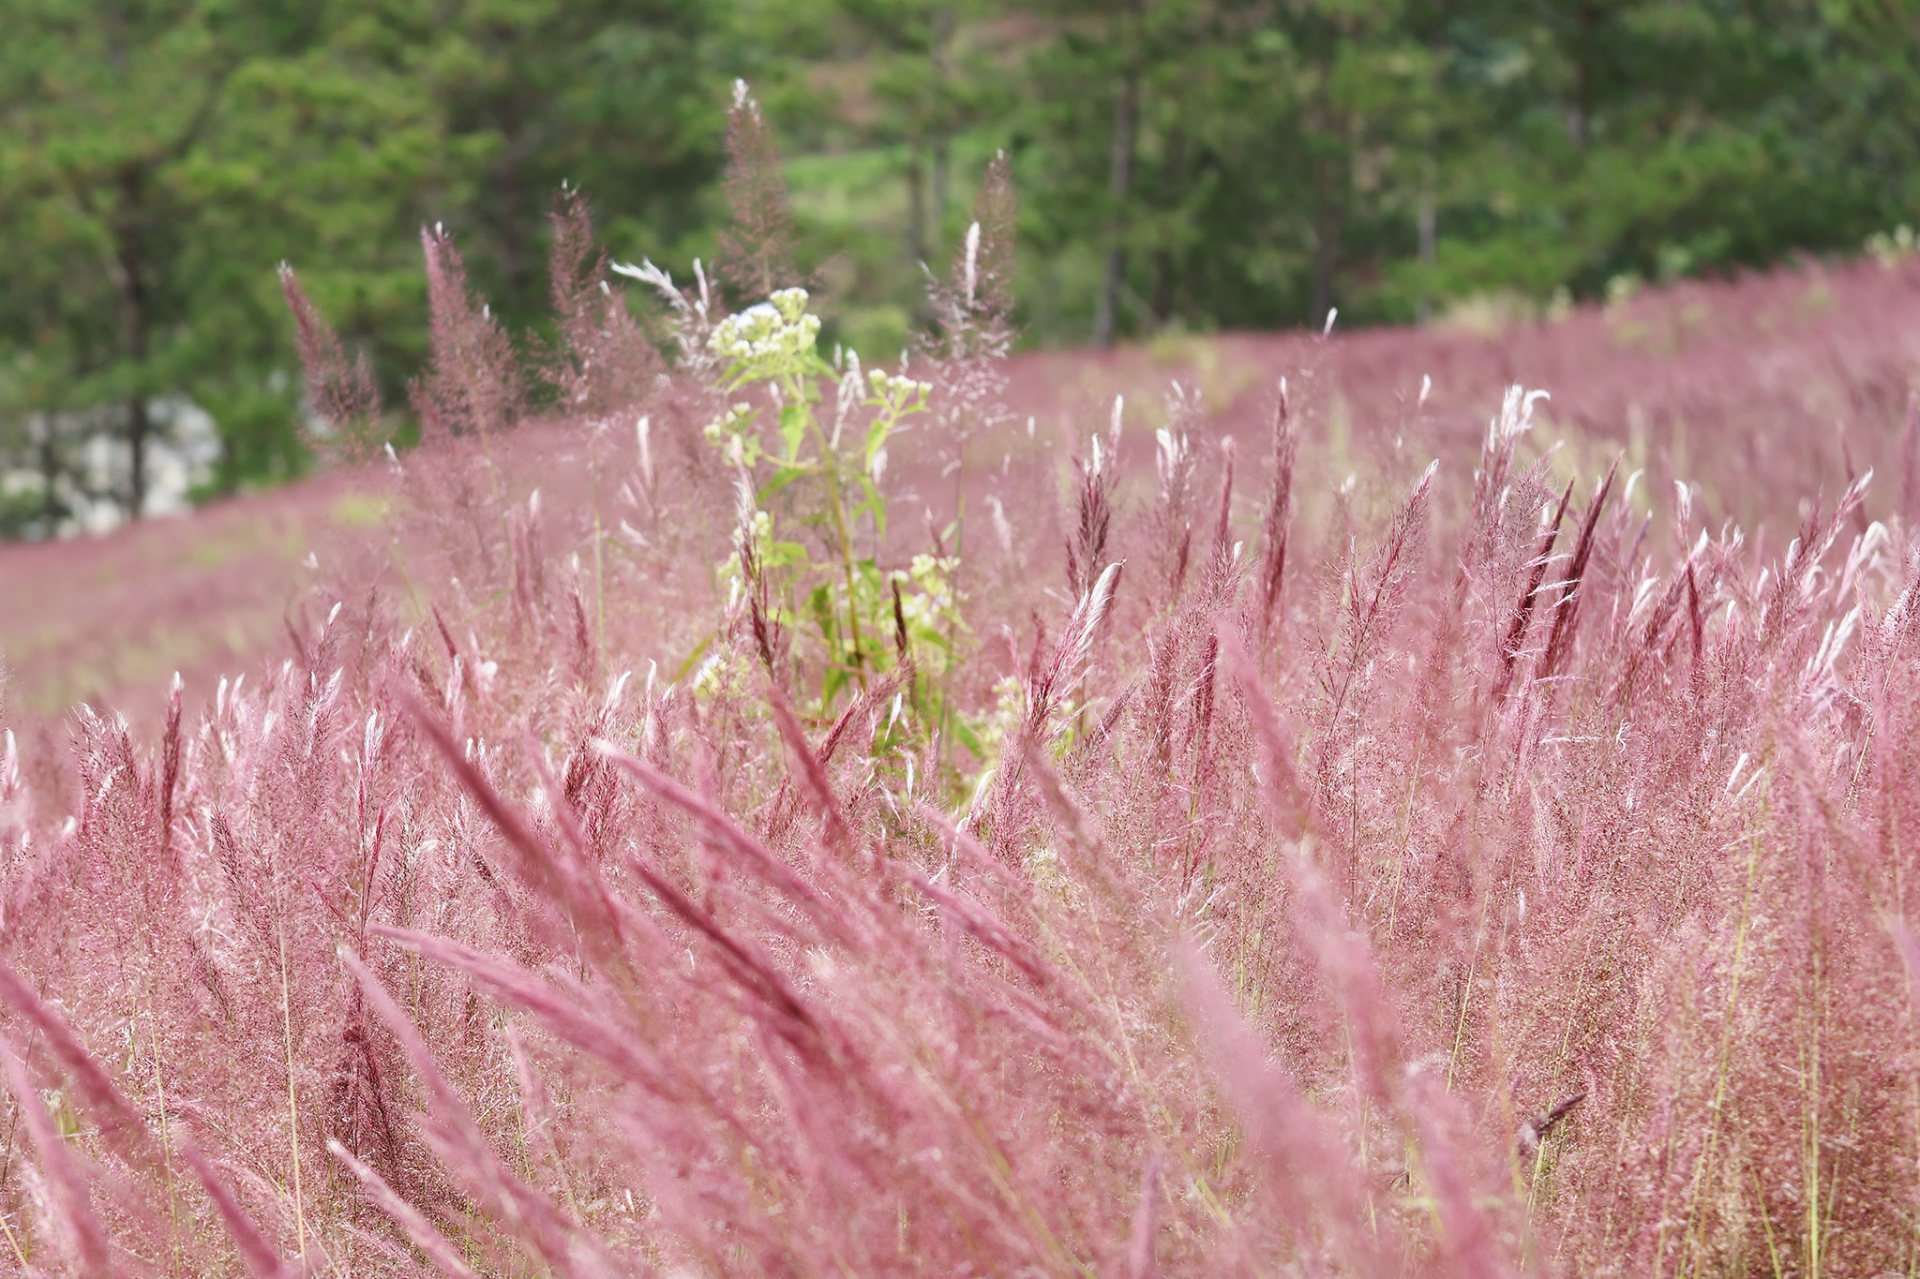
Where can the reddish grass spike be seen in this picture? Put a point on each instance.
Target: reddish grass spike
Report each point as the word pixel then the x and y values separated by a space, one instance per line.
pixel 978 858
pixel 261 1259
pixel 568 1011
pixel 756 251
pixel 120 1123
pixel 724 833
pixel 539 864
pixel 813 771
pixel 1203 714
pixel 996 208
pixel 515 1205
pixel 972 312
pixel 472 386
pixel 1284 1130
pixel 1516 636
pixel 1090 859
pixel 1221 565
pixel 1373 610
pixel 984 927
pixel 902 652
pixel 72 1203
pixel 1566 604
pixel 1278 522
pixel 753 972
pixel 169 774
pixel 420 1232
pixel 445 633
pixel 1696 620
pixel 342 393
pixel 1087 549
pixel 878 693
pixel 1282 779
pixel 602 362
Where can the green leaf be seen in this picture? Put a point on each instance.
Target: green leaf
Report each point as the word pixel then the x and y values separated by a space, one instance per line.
pixel 784 554
pixel 781 478
pixel 922 634
pixel 836 679
pixel 877 436
pixel 820 604
pixel 874 503
pixel 793 428
pixel 964 734
pixel 693 659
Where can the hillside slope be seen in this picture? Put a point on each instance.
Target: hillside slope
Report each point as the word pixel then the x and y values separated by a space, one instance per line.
pixel 1760 392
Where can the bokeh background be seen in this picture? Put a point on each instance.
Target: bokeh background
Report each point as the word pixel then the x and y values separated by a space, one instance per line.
pixel 1184 167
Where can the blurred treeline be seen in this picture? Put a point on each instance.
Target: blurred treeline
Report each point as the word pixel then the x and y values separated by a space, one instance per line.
pixel 1182 164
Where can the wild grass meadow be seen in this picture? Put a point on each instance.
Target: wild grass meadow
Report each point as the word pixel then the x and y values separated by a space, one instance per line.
pixel 846 823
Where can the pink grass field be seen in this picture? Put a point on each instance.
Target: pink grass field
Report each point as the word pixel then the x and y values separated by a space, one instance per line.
pixel 1361 867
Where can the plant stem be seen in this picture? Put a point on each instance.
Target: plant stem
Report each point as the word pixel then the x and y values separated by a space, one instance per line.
pixel 1696 1228
pixel 846 564
pixel 599 567
pixel 166 1141
pixel 14 1243
pixel 797 390
pixel 293 1096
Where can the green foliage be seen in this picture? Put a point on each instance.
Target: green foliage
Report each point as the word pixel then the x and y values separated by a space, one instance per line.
pixel 159 159
pixel 867 622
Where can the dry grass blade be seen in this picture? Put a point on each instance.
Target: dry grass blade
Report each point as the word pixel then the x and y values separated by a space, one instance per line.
pixel 261 1260
pixel 724 833
pixel 515 1205
pixel 122 1125
pixel 434 1245
pixel 72 1203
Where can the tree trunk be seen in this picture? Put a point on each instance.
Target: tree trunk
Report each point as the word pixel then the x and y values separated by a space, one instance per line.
pixel 136 304
pixel 513 245
pixel 1126 111
pixel 137 430
pixel 1580 110
pixel 49 480
pixel 937 192
pixel 514 205
pixel 1429 237
pixel 943 27
pixel 1328 215
pixel 916 204
pixel 1165 276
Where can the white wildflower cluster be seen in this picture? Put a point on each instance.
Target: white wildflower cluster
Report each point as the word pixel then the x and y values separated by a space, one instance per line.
pixel 896 392
pixel 928 601
pixel 895 397
pixel 769 337
pixel 933 576
pixel 726 429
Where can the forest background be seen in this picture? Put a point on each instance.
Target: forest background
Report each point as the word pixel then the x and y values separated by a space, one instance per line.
pixel 1184 166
